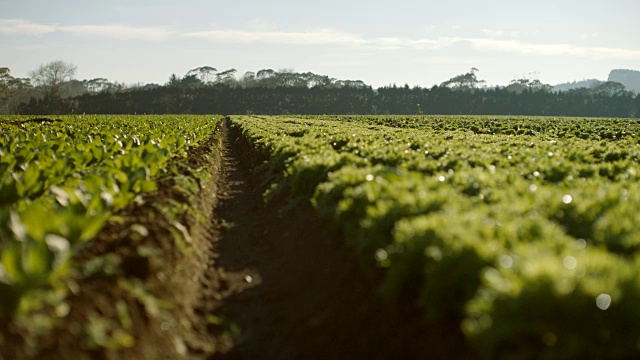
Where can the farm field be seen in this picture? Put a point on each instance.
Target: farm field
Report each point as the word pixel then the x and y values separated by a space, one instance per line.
pixel 523 231
pixel 98 216
pixel 320 236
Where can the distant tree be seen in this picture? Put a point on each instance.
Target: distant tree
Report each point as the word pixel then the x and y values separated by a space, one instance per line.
pixel 151 86
pixel 538 85
pixel 206 74
pixel 265 77
pixel 351 83
pixel 5 78
pixel 50 76
pixel 226 77
pixel 467 81
pixel 289 78
pixel 248 79
pixel 72 88
pixel 265 73
pixel 191 81
pixel 518 85
pixel 609 88
pixel 318 80
pixel 13 91
pixel 118 87
pixel 174 81
pixel 97 85
pixel 524 83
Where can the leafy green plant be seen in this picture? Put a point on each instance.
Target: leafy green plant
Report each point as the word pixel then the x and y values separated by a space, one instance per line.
pixel 62 181
pixel 519 228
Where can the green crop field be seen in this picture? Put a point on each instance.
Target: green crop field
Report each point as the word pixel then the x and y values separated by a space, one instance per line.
pixel 61 182
pixel 520 231
pixel 523 230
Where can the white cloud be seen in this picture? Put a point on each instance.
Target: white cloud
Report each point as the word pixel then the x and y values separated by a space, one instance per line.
pixel 261 25
pixel 324 37
pixel 24 27
pixel 553 49
pixel 18 27
pixel 446 60
pixel 332 37
pixel 120 31
pixel 491 32
pixel 316 37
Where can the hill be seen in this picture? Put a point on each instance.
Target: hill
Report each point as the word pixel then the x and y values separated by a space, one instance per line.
pixel 629 78
pixel 590 83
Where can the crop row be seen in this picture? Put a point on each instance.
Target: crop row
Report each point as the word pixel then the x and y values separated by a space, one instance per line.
pixel 586 128
pixel 62 180
pixel 528 239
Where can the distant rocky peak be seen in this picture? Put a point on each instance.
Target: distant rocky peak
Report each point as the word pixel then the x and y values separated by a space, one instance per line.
pixel 629 78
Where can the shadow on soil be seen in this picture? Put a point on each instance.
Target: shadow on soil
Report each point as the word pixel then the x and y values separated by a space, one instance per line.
pixel 294 289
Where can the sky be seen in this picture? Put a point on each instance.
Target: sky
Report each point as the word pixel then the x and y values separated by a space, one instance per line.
pixel 379 42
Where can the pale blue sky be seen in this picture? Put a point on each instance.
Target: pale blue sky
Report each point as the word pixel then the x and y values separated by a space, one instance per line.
pixel 379 42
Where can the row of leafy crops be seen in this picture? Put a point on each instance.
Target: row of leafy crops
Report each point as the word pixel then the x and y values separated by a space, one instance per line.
pixel 62 180
pixel 522 230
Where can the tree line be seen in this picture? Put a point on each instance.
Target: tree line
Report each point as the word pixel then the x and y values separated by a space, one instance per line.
pixel 205 90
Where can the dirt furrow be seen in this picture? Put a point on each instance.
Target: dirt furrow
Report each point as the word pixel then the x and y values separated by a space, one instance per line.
pixel 290 284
